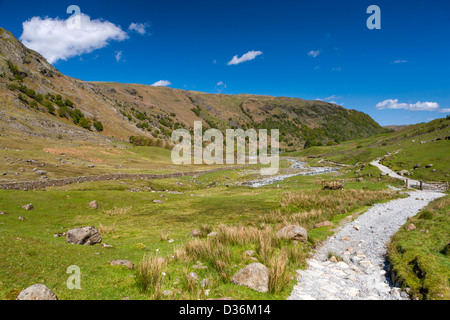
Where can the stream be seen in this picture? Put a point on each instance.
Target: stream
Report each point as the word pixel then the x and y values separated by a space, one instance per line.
pixel 301 168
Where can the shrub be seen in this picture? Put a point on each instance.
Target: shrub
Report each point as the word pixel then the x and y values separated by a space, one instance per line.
pixel 98 126
pixel 31 93
pixel 76 115
pixel 22 98
pixel 49 106
pixel 68 103
pixel 84 123
pixel 63 112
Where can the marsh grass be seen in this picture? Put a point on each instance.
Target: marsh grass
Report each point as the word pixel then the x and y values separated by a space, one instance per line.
pixel 309 207
pixel 150 276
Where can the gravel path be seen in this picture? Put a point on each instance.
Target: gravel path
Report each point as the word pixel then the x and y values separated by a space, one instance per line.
pixel 362 245
pixel 393 174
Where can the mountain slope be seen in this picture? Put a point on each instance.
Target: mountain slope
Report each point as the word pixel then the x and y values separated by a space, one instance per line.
pixel 36 99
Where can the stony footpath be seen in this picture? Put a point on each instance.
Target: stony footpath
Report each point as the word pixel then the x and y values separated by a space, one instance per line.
pixel 359 268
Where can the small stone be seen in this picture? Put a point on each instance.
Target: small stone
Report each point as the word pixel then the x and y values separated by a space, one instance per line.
pixel 345 239
pixel 205 283
pixel 93 204
pixel 212 234
pixel 410 227
pixel 192 276
pixel 324 224
pixel 333 259
pixel 366 263
pixel 28 207
pixel 195 233
pixel 126 263
pixel 157 201
pixel 21 218
pixel 59 235
pixel 356 227
pixel 170 241
pixel 167 293
pixel 249 253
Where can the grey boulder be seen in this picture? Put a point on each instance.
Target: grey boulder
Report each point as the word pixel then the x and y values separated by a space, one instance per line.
pixel 84 236
pixel 37 292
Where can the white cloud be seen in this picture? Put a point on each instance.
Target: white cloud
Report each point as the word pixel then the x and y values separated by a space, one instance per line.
pixel 251 55
pixel 418 106
pixel 220 83
pixel 445 110
pixel 400 61
pixel 55 41
pixel 314 53
pixel 118 55
pixel 162 83
pixel 138 27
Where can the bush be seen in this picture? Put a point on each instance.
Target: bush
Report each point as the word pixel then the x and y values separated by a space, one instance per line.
pixel 22 98
pixel 49 106
pixel 63 112
pixel 31 93
pixel 68 103
pixel 84 123
pixel 77 115
pixel 34 104
pixel 98 126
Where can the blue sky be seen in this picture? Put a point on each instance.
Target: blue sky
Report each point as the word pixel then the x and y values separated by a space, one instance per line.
pixel 306 49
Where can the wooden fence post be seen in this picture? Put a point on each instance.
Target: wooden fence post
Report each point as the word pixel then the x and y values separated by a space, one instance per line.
pixel 421 185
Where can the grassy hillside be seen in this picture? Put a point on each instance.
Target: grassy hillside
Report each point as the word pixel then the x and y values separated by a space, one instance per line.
pixel 140 230
pixel 422 144
pixel 37 100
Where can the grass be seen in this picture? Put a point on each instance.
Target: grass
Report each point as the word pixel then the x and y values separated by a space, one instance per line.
pixel 138 231
pixel 413 145
pixel 420 258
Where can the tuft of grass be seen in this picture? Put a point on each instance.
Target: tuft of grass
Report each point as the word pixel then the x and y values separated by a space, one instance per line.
pixel 149 275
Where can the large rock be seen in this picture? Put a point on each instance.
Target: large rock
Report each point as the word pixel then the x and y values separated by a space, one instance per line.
pixel 37 292
pixel 293 232
pixel 84 236
pixel 255 276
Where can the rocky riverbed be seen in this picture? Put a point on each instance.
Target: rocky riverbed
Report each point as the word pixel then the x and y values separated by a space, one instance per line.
pixel 300 168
